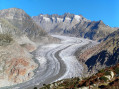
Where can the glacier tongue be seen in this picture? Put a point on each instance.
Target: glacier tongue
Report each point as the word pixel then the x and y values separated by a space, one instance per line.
pixel 57 61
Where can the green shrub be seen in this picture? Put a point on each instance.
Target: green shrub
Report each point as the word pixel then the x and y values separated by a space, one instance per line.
pixel 104 78
pixel 107 73
pixel 101 71
pixel 117 70
pixel 5 39
pixel 35 87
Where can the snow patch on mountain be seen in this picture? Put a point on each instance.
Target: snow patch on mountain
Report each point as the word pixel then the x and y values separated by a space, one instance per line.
pixel 41 15
pixel 67 18
pixel 53 18
pixel 77 17
pixel 46 19
pixel 59 19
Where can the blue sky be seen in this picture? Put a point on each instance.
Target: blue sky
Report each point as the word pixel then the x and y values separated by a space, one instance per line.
pixel 106 10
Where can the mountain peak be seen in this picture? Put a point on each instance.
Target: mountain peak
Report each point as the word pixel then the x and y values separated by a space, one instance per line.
pixel 22 21
pixel 13 10
pixel 100 22
pixel 14 13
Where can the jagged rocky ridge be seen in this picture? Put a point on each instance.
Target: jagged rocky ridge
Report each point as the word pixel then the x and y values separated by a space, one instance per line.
pixel 73 25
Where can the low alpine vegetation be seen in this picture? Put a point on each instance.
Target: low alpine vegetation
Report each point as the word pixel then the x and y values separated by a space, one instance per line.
pixel 107 78
pixel 5 39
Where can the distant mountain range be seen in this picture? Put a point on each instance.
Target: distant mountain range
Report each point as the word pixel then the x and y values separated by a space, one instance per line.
pixel 63 22
pixel 73 25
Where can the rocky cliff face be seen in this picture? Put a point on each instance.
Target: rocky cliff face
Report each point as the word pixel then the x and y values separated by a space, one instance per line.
pixel 73 25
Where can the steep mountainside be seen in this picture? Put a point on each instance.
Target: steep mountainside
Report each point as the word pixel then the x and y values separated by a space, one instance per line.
pixel 18 37
pixel 7 27
pixel 95 30
pixel 23 22
pixel 104 54
pixel 73 25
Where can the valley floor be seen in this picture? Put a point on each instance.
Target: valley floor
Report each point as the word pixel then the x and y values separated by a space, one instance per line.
pixel 56 62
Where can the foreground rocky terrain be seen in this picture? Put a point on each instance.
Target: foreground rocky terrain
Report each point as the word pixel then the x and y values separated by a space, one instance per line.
pixel 73 25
